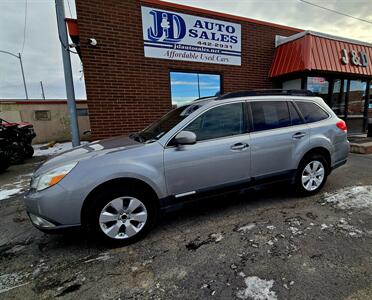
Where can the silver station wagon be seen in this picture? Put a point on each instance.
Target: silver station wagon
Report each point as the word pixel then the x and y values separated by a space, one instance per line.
pixel 115 188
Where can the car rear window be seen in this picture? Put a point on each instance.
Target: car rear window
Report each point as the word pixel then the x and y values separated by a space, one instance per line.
pixel 270 115
pixel 311 112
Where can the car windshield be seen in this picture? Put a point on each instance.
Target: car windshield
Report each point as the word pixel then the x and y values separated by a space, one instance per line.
pixel 157 129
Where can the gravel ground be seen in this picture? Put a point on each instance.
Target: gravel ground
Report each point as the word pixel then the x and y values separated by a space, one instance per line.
pixel 266 244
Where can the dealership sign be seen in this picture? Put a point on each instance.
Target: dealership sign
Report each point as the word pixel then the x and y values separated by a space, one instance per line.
pixel 177 36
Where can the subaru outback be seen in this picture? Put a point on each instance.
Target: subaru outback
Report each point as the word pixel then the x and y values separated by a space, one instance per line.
pixel 115 188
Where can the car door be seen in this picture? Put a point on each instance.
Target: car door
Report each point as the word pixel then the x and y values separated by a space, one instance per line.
pixel 219 158
pixel 278 133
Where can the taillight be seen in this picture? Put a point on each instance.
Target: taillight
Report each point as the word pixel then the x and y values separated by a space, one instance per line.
pixel 342 125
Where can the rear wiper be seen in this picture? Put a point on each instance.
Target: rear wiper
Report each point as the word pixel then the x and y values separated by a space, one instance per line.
pixel 137 137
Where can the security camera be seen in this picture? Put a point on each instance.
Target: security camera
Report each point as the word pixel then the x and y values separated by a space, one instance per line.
pixel 92 42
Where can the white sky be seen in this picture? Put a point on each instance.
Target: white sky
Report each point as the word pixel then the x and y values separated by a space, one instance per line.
pixel 42 53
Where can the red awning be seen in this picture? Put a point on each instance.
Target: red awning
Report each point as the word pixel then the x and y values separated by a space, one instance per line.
pixel 309 51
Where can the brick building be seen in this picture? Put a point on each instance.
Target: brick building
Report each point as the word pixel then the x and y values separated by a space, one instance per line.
pixel 130 82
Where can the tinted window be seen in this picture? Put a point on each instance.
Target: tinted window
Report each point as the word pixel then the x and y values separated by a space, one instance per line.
pixel 225 120
pixel 269 115
pixel 311 112
pixel 295 117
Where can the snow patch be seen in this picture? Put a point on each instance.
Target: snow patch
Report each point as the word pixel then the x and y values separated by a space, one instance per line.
pixel 17 187
pixel 323 226
pixel 5 194
pixel 56 149
pixel 247 227
pixel 295 230
pixel 351 197
pixel 12 280
pixel 257 289
pixel 217 237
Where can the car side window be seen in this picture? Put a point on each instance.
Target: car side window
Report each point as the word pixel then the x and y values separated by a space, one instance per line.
pixel 222 121
pixel 296 119
pixel 270 115
pixel 311 112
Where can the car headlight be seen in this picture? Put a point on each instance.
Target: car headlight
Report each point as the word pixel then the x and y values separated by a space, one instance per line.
pixel 52 177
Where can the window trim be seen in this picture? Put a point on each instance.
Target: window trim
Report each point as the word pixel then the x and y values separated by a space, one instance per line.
pixel 245 121
pixel 313 102
pixel 298 111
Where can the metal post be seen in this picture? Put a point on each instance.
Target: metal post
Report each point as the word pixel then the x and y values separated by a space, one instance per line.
pixel 62 31
pixel 42 90
pixel 23 74
pixel 198 85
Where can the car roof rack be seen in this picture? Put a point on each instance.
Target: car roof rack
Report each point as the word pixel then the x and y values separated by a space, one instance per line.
pixel 266 92
pixel 205 98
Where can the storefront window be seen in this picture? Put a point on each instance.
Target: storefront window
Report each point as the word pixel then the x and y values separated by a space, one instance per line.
pixel 319 86
pixel 338 97
pixel 186 87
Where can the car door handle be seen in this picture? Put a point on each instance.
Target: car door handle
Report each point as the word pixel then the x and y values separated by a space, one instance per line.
pixel 298 135
pixel 239 146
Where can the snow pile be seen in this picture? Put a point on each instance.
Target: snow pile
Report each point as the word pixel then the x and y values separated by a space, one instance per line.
pixel 351 197
pixel 56 149
pixel 257 289
pixel 16 187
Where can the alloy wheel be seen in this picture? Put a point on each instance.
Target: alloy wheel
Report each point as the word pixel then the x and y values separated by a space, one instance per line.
pixel 313 175
pixel 123 217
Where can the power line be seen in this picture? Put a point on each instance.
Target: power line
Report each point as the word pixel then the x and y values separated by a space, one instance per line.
pixel 24 27
pixel 335 11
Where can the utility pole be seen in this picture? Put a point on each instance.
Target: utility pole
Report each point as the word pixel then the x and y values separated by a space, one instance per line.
pixel 23 74
pixel 62 31
pixel 42 90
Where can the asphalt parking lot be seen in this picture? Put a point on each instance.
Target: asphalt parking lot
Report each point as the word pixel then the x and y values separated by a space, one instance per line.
pixel 266 244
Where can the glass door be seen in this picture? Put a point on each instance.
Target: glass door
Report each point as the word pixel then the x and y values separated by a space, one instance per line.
pixel 339 92
pixel 355 105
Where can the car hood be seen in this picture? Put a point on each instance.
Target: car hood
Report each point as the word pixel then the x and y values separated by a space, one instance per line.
pixel 86 151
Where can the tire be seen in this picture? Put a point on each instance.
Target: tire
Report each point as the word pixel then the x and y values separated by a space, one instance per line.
pixel 311 174
pixel 29 151
pixel 17 157
pixel 4 163
pixel 121 216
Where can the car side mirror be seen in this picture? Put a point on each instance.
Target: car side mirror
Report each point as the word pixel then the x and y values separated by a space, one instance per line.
pixel 185 138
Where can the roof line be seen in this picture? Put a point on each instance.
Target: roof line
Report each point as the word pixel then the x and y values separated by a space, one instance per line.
pixel 219 14
pixel 283 40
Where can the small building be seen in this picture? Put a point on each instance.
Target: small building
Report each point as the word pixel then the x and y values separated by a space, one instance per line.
pixel 50 117
pixel 141 57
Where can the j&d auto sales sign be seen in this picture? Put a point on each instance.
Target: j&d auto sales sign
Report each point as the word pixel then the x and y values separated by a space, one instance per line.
pixel 177 36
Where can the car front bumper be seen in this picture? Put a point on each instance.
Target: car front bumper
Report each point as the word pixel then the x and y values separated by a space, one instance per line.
pixel 50 210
